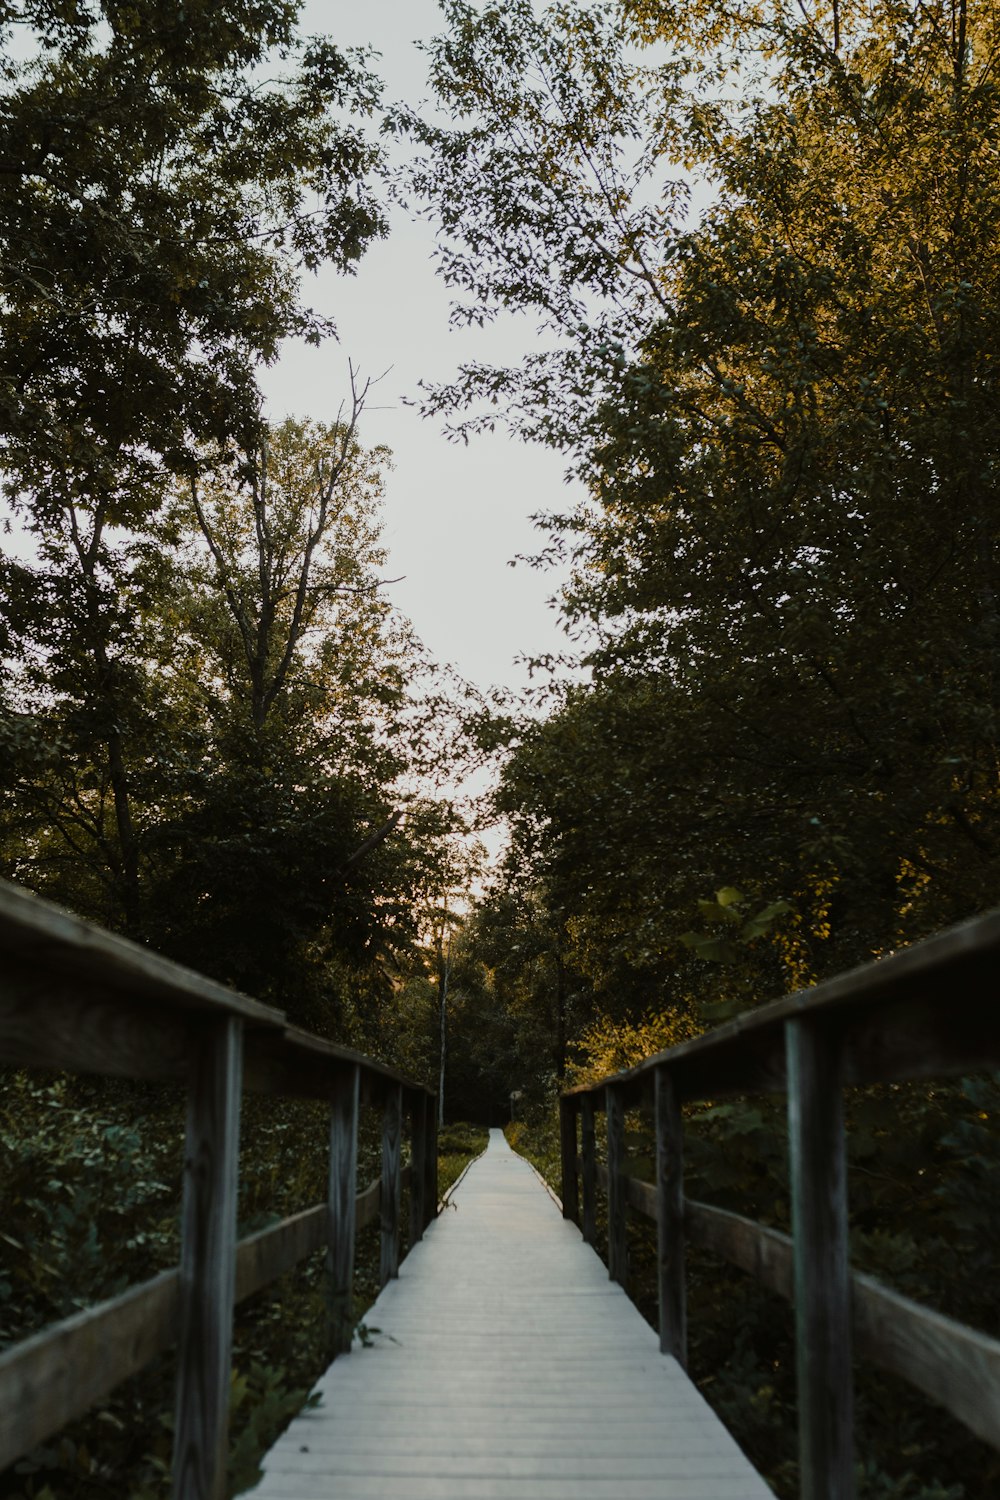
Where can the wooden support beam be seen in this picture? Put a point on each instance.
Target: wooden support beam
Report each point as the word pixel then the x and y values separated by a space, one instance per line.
pixel 48 1380
pixel 670 1217
pixel 762 1252
pixel 567 1141
pixel 617 1207
pixel 822 1269
pixel 392 1126
pixel 208 1263
pixel 62 950
pixel 342 1207
pixel 51 1021
pixel 588 1175
pixel 418 1166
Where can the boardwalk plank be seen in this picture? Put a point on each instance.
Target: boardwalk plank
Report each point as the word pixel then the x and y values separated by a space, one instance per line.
pixel 507 1367
pixel 563 1487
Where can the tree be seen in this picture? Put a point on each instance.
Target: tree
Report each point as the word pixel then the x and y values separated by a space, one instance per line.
pixel 523 945
pixel 541 192
pixel 784 581
pixel 291 830
pixel 160 192
pixel 280 726
pixel 158 199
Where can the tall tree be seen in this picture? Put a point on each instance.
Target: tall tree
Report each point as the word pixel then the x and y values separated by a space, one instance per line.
pixel 159 197
pixel 166 174
pixel 289 832
pixel 785 577
pixel 281 725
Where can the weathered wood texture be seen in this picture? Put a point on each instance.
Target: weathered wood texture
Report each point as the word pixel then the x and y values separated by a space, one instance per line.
pixel 73 996
pixel 670 1217
pixel 921 1013
pixel 48 1380
pixel 262 1257
pixel 763 1253
pixel 51 1379
pixel 40 937
pixel 616 1180
pixel 570 1184
pixel 392 1129
pixel 207 1269
pixel 508 1368
pixel 54 1377
pixel 818 1156
pixel 342 1207
pixel 50 1021
pixel 588 1173
pixel 956 1366
pixel 76 997
pixel 377 1078
pixel 296 1065
pixel 916 1014
pixel 639 1195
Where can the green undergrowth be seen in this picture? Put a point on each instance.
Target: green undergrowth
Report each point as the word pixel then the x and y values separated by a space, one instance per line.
pixel 457 1146
pixel 89 1203
pixel 925 1204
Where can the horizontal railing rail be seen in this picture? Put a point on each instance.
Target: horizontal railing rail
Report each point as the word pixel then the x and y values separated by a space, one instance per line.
pixel 76 998
pixel 929 1011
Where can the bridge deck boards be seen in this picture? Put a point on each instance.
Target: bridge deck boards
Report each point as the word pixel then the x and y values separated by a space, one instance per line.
pixel 507 1367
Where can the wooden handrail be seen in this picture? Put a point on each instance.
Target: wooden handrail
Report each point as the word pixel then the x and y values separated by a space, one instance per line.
pixel 956 1366
pixel 83 1000
pixel 56 1376
pixel 928 1011
pixel 919 1013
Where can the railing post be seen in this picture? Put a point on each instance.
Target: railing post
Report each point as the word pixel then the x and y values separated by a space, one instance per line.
pixel 822 1269
pixel 342 1207
pixel 588 1177
pixel 392 1128
pixel 617 1208
pixel 208 1263
pixel 567 1141
pixel 670 1217
pixel 431 1190
pixel 418 1166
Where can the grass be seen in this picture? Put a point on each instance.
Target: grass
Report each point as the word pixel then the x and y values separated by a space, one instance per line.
pixel 458 1144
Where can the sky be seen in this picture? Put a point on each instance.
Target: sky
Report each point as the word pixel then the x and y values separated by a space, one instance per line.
pixel 455 515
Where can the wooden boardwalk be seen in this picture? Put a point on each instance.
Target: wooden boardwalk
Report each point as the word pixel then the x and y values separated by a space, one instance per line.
pixel 507 1367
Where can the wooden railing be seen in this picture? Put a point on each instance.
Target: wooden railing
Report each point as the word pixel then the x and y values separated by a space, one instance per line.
pixel 929 1011
pixel 77 998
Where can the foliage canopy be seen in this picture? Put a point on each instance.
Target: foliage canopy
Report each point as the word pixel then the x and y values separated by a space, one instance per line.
pixel 783 582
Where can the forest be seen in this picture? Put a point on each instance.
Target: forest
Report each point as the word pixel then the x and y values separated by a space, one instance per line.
pixel 755 248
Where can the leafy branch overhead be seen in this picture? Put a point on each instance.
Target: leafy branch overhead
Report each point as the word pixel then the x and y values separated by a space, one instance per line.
pixel 166 175
pixel 730 913
pixel 761 243
pixel 215 733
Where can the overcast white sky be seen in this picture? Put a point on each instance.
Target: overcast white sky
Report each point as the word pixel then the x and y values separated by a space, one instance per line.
pixel 454 515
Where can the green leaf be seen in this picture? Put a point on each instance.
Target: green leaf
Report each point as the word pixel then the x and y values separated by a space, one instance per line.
pixel 715 950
